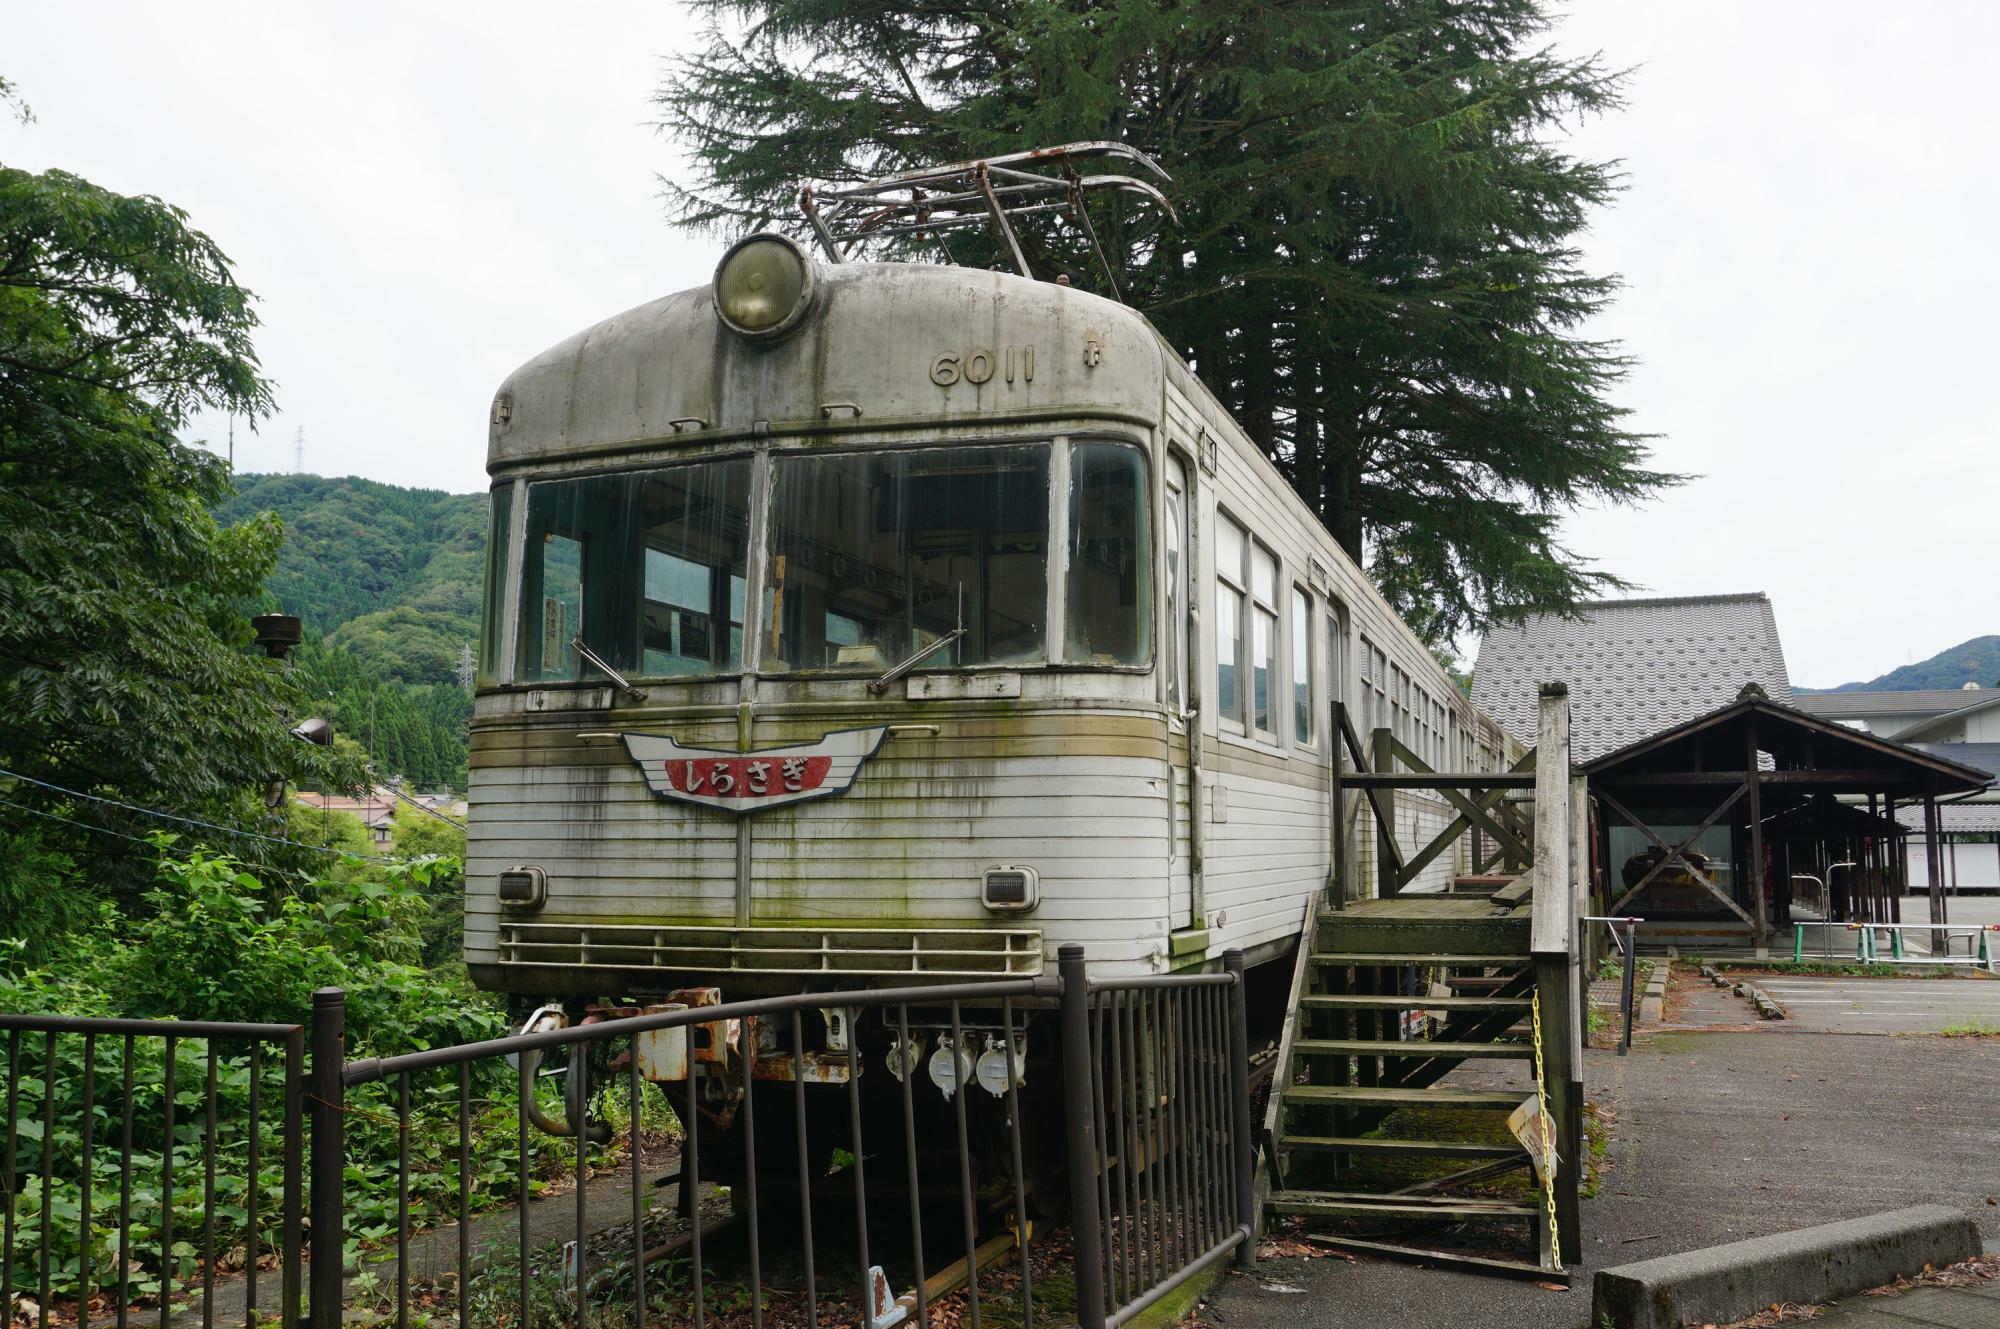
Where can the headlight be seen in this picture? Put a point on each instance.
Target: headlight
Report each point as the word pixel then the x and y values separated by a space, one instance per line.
pixel 763 286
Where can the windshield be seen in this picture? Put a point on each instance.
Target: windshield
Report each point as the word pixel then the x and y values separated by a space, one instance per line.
pixel 870 558
pixel 647 567
pixel 873 554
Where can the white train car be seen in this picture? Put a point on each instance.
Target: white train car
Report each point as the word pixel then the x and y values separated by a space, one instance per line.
pixel 872 623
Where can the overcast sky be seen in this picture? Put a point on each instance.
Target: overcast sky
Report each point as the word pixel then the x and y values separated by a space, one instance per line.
pixel 423 196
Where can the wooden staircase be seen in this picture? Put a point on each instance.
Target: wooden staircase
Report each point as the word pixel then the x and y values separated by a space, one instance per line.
pixel 1374 1135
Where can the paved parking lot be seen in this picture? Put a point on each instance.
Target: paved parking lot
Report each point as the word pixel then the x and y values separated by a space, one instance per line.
pixel 1716 1135
pixel 1885 1005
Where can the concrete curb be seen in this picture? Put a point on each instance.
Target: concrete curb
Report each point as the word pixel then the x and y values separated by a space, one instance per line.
pixel 1653 1003
pixel 1813 1264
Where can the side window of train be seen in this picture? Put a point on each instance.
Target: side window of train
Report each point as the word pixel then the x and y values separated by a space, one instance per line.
pixel 1375 709
pixel 1110 595
pixel 1176 546
pixel 1231 553
pixel 1246 630
pixel 1264 699
pixel 1305 696
pixel 1336 665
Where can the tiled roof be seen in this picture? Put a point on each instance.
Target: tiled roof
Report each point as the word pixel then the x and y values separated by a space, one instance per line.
pixel 1929 701
pixel 1956 818
pixel 1634 667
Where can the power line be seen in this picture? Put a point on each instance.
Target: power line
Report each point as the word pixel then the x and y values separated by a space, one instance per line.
pixel 187 821
pixel 424 808
pixel 71 821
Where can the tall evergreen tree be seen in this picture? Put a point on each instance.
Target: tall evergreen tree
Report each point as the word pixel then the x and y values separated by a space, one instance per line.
pixel 1374 269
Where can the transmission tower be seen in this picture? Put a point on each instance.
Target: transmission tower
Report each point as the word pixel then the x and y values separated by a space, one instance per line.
pixel 299 452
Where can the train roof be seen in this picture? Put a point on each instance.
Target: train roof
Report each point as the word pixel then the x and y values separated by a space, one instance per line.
pixel 868 356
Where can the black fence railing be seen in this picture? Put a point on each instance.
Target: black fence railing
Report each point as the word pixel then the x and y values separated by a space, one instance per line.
pixel 144 1162
pixel 1169 1102
pixel 879 1157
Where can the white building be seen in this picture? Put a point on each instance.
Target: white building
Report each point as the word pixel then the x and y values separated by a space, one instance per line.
pixel 1970 714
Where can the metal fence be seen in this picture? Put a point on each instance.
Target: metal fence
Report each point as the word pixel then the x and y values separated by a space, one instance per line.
pixel 437 1178
pixel 1167 1119
pixel 98 1204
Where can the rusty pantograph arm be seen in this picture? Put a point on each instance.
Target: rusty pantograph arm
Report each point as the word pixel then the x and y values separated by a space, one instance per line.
pixel 985 192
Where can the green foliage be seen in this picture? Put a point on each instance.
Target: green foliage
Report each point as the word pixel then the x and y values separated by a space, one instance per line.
pixel 122 601
pixel 394 573
pixel 41 898
pixel 1975 661
pixel 1375 267
pixel 437 849
pixel 416 731
pixel 392 576
pixel 216 942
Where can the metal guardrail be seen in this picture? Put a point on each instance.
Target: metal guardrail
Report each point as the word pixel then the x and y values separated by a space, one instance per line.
pixel 1628 956
pixel 1982 943
pixel 119 1234
pixel 1153 1093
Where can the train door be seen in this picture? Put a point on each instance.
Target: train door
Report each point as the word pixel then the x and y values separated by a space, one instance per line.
pixel 1183 902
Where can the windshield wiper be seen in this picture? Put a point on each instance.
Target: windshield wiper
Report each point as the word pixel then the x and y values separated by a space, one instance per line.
pixel 582 648
pixel 881 685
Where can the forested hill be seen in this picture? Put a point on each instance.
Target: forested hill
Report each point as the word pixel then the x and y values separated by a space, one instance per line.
pixel 1975 661
pixel 390 577
pixel 392 574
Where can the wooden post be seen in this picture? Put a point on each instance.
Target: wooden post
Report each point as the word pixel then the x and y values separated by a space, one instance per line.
pixel 1585 955
pixel 1554 943
pixel 1382 755
pixel 1934 869
pixel 1756 874
pixel 1553 919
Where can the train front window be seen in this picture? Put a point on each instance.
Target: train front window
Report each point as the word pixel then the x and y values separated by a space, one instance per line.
pixel 875 556
pixel 646 567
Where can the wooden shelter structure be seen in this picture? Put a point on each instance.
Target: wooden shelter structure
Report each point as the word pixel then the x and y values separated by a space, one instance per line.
pixel 1702 826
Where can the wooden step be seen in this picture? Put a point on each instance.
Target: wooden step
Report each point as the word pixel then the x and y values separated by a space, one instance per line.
pixel 1333 959
pixel 1502 935
pixel 1376 1096
pixel 1478 1264
pixel 1344 1144
pixel 1415 1049
pixel 1415 1001
pixel 1355 1204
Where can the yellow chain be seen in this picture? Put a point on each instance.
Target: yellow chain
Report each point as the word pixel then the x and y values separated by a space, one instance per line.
pixel 1548 1141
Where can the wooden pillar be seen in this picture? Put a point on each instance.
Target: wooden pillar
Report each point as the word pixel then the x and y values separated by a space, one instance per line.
pixel 1382 756
pixel 1554 944
pixel 1934 869
pixel 1585 955
pixel 1756 873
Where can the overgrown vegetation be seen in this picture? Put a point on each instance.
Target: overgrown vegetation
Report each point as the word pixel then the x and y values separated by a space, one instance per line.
pixel 214 940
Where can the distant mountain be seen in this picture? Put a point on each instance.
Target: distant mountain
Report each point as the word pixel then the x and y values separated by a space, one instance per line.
pixel 1975 661
pixel 392 574
pixel 390 579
